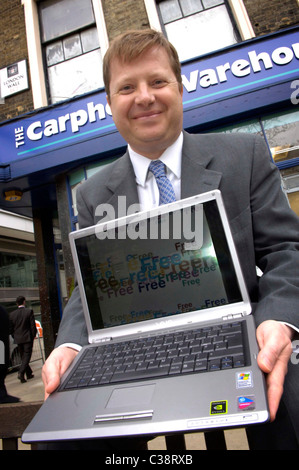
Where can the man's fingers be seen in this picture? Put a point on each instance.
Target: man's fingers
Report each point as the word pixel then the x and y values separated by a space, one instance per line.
pixel 55 366
pixel 274 341
pixel 275 380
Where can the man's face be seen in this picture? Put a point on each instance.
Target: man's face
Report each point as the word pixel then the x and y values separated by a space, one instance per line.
pixel 146 102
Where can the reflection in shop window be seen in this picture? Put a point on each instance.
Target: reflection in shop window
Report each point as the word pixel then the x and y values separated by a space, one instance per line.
pixel 248 127
pixel 18 270
pixel 282 132
pixel 282 136
pixel 290 185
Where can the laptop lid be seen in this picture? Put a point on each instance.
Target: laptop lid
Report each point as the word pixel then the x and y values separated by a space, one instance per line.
pixel 169 266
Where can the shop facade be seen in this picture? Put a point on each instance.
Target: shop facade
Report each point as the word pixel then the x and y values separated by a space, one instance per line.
pixel 251 87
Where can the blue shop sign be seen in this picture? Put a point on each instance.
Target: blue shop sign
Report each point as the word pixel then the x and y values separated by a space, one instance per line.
pixel 249 66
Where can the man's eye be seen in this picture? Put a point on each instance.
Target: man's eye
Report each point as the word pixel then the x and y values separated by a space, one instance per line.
pixel 126 89
pixel 159 82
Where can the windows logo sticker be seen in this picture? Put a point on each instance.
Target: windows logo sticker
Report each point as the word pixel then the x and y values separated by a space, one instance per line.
pixel 244 379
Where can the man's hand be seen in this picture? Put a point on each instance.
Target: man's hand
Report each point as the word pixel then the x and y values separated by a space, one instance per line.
pixel 274 339
pixel 55 366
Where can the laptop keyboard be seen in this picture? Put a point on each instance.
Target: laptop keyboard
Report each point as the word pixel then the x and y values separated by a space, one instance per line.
pixel 212 348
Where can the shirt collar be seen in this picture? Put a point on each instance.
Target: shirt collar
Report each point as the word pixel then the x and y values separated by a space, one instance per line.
pixel 172 158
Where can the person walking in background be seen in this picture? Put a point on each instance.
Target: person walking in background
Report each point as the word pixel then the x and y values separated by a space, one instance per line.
pixel 4 355
pixel 23 330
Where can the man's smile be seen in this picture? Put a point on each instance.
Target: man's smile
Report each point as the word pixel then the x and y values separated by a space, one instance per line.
pixel 147 114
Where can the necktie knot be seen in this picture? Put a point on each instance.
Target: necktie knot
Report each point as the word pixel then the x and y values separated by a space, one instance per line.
pixel 157 168
pixel 165 187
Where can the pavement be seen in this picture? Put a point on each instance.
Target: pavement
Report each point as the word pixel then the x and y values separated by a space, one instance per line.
pixel 33 390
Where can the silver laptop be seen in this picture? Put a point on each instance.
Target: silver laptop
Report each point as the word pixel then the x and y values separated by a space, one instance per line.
pixel 172 343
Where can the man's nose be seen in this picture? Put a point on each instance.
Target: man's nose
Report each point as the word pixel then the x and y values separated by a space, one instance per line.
pixel 145 95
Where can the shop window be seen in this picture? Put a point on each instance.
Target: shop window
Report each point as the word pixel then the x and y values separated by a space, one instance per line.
pixel 197 27
pixel 250 127
pixel 71 47
pixel 282 132
pixel 290 185
pixel 18 270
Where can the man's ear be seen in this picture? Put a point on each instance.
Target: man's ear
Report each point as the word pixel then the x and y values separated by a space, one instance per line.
pixel 108 100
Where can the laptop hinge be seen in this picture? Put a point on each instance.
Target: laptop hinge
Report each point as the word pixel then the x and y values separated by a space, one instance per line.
pixel 103 340
pixel 234 316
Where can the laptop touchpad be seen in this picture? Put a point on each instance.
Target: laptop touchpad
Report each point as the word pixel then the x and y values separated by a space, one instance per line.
pixel 131 396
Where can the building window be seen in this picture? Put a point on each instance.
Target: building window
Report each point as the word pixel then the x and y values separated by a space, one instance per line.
pixel 71 47
pixel 18 270
pixel 197 27
pixel 282 133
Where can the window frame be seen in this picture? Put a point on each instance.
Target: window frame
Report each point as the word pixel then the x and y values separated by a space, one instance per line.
pixel 35 52
pixel 237 10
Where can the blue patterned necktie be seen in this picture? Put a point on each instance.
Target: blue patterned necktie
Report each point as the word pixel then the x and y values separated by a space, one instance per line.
pixel 165 187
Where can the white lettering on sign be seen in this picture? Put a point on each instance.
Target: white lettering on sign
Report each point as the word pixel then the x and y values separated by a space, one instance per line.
pixel 19 136
pixel 75 120
pixel 240 67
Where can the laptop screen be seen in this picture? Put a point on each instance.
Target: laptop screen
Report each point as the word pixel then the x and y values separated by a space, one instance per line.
pixel 161 266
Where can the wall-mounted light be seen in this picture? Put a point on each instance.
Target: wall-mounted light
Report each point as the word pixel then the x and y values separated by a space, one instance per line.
pixel 13 195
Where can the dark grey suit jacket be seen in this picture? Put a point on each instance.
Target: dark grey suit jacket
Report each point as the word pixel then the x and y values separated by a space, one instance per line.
pixel 265 229
pixel 22 325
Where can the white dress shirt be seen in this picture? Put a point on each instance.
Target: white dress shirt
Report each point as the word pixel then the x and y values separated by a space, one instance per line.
pixel 147 188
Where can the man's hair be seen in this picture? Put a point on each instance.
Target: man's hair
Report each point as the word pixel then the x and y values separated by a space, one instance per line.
pixel 131 44
pixel 20 300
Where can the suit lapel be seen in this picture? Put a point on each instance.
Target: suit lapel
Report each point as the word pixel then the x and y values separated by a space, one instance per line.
pixel 196 178
pixel 122 184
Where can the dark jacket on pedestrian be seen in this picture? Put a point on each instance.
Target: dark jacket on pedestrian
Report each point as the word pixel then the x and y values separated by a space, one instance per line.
pixel 22 325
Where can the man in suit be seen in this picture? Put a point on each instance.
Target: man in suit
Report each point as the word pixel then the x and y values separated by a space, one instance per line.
pixel 144 89
pixel 23 330
pixel 4 357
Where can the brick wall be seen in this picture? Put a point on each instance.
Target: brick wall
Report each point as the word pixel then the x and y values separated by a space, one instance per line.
pixel 13 48
pixel 268 16
pixel 121 15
